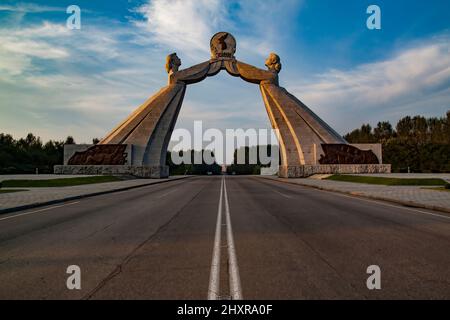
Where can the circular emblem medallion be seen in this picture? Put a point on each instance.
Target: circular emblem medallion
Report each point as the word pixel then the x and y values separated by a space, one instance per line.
pixel 223 46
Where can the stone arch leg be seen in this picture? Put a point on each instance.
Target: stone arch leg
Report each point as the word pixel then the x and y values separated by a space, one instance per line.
pixel 301 132
pixel 289 153
pixel 156 151
pixel 148 130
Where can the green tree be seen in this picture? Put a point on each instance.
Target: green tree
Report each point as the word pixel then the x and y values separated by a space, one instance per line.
pixel 383 131
pixel 27 154
pixel 193 168
pixel 362 135
pixel 70 140
pixel 418 144
pixel 405 128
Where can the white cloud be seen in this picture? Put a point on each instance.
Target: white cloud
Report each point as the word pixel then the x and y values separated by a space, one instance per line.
pixel 62 82
pixel 414 81
pixel 188 25
pixel 51 41
pixel 45 30
pixel 19 46
pixel 34 49
pixel 30 8
pixel 267 24
pixel 12 64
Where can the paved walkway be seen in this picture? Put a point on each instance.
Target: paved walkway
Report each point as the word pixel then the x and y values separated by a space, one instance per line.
pixel 34 197
pixel 408 195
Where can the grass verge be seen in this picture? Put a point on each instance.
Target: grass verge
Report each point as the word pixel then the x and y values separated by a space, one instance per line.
pixel 388 181
pixel 446 188
pixel 52 183
pixel 10 191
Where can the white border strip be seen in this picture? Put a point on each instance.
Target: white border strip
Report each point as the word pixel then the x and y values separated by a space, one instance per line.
pixel 214 278
pixel 235 280
pixel 38 211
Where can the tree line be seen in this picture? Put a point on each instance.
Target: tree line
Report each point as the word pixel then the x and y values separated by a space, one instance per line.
pixel 416 144
pixel 30 154
pixel 193 169
pixel 248 168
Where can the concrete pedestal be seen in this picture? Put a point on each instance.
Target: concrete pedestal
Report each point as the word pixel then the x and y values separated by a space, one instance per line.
pixel 305 171
pixel 154 172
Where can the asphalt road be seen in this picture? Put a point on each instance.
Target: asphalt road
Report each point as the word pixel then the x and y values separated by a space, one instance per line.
pixel 222 238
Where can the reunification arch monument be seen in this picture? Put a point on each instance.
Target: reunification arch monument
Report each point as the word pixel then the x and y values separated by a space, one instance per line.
pixel 138 145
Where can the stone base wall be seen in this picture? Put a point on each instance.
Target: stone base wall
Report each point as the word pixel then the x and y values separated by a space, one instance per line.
pixel 305 171
pixel 154 172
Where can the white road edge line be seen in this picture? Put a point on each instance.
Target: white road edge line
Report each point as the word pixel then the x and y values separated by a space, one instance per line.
pixel 398 207
pixel 235 280
pixel 38 211
pixel 214 277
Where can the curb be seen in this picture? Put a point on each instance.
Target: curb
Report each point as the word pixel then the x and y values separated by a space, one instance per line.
pixel 410 204
pixel 47 203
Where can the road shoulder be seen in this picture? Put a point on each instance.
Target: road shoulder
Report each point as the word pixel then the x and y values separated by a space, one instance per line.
pixel 39 197
pixel 411 196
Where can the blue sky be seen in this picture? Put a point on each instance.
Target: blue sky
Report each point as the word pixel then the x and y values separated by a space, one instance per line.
pixel 57 82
